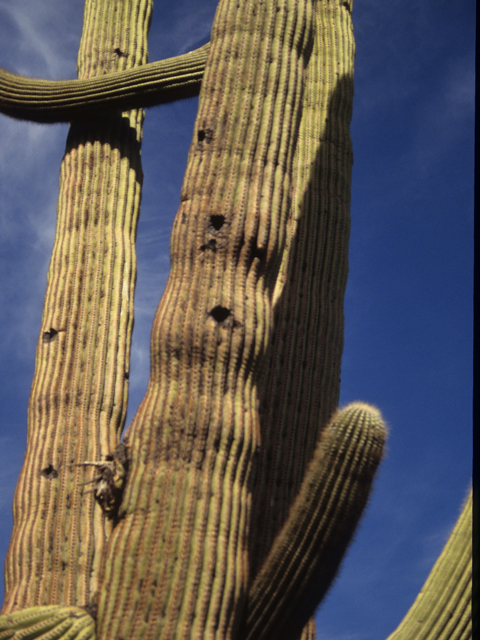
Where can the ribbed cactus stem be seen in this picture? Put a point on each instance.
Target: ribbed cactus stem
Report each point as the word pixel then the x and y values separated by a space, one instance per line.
pixel 307 553
pixel 65 101
pixel 78 399
pixel 176 565
pixel 48 623
pixel 300 388
pixel 442 609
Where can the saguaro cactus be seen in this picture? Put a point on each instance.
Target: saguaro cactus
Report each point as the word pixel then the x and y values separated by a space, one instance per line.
pixel 226 512
pixel 78 399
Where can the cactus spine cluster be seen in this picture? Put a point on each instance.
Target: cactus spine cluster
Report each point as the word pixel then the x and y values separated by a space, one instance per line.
pixel 242 491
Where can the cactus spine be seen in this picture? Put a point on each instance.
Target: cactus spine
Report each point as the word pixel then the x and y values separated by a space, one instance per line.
pixel 78 399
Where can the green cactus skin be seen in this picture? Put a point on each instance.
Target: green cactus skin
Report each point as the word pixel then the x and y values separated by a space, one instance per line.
pixel 48 623
pixel 301 177
pixel 332 62
pixel 65 101
pixel 305 557
pixel 442 609
pixel 78 399
pixel 301 380
pixel 177 562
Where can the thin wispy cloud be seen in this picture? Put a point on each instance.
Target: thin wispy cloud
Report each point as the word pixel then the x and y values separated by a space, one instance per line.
pixel 43 37
pixel 178 28
pixel 446 120
pixel 37 44
pixel 27 224
pixel 25 145
pixel 396 65
pixel 194 23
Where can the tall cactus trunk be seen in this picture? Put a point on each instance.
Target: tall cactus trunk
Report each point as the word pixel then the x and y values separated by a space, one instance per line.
pixel 78 398
pixel 177 563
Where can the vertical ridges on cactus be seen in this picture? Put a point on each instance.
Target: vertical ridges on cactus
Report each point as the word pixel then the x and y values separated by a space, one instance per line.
pixel 442 609
pixel 306 554
pixel 177 562
pixel 252 318
pixel 300 388
pixel 78 398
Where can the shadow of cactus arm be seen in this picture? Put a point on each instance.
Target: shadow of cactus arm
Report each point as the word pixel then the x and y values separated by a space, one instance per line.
pixel 49 101
pixel 308 551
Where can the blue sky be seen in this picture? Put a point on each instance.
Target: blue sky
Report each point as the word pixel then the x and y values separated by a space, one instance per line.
pixel 408 334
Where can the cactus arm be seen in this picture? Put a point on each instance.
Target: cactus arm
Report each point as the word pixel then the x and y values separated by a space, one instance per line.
pixel 48 623
pixel 50 101
pixel 307 553
pixel 442 609
pixel 301 383
pixel 78 400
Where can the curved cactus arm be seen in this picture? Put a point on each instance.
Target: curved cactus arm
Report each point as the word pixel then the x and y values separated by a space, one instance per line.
pixel 49 101
pixel 307 553
pixel 53 622
pixel 442 609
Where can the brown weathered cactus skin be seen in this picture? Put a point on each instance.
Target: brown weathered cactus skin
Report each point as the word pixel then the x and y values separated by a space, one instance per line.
pixel 442 609
pixel 177 562
pixel 78 399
